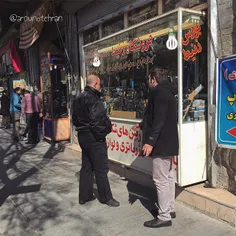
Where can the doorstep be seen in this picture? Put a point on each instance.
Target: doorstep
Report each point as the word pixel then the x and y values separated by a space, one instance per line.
pixel 217 203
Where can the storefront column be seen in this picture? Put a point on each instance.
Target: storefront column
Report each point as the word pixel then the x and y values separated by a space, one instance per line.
pixel 159 6
pixel 180 87
pixel 73 60
pixel 212 168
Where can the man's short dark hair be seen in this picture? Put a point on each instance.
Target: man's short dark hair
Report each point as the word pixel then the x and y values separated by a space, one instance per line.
pixel 160 74
pixel 17 89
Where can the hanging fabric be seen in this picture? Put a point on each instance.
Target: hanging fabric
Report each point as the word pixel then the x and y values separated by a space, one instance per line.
pixel 31 29
pixel 16 63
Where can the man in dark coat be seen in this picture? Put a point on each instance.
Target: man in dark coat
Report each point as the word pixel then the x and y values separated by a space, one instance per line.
pixel 93 125
pixel 160 138
pixel 5 110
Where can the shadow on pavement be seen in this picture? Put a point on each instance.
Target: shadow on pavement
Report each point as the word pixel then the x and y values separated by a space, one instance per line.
pixel 18 178
pixel 145 195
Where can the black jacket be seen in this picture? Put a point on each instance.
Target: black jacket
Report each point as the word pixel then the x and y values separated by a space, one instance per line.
pixel 5 105
pixel 160 128
pixel 89 114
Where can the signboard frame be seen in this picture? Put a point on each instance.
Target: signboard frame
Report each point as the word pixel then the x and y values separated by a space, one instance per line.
pixel 218 120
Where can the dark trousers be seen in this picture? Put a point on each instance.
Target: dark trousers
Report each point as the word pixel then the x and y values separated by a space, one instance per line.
pixel 32 125
pixel 6 121
pixel 16 125
pixel 94 161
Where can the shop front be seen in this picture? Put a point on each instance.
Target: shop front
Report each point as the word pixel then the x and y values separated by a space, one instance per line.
pixel 56 122
pixel 176 41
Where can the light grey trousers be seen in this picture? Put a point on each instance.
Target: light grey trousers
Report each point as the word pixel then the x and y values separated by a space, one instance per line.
pixel 165 185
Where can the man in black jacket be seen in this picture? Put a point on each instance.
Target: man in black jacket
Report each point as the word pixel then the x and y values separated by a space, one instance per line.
pixel 93 125
pixel 160 138
pixel 5 109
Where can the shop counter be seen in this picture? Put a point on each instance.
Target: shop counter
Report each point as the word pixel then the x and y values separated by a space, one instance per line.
pixel 125 145
pixel 56 129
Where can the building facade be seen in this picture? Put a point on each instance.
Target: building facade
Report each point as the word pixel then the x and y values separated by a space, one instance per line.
pixel 222 161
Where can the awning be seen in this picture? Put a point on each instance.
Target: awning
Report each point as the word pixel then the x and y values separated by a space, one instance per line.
pixel 31 28
pixel 16 63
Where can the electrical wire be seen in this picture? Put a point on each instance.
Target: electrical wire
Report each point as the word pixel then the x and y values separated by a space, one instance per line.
pixel 64 46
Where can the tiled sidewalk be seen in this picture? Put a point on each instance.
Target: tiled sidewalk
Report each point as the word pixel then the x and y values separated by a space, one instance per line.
pixel 39 196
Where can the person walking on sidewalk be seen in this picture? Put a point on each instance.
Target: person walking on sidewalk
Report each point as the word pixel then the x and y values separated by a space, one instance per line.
pixel 160 138
pixel 93 125
pixel 5 110
pixel 31 108
pixel 15 110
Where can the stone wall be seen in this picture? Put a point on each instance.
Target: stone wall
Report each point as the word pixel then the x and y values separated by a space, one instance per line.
pixel 223 164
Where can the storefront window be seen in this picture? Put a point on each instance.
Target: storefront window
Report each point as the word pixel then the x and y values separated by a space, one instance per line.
pixel 91 35
pixel 143 13
pixel 123 62
pixel 113 26
pixel 194 69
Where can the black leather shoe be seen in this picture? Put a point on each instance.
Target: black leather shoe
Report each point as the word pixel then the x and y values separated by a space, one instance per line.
pixel 173 215
pixel 157 223
pixel 82 202
pixel 112 203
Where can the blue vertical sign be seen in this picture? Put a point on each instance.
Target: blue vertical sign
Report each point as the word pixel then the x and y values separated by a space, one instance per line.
pixel 226 102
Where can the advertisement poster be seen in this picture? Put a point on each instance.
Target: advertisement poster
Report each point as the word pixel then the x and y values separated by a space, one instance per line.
pixel 19 83
pixel 226 102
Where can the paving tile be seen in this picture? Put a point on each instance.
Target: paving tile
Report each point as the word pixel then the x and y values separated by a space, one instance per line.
pixel 12 222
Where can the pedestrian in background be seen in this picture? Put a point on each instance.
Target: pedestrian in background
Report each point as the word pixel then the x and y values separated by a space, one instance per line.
pixel 24 134
pixel 5 109
pixel 31 110
pixel 15 110
pixel 93 125
pixel 160 138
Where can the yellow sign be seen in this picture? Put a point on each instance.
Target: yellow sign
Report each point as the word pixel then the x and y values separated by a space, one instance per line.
pixel 19 83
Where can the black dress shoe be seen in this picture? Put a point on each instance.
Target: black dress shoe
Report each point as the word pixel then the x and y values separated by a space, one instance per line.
pixel 112 203
pixel 82 202
pixel 173 215
pixel 28 142
pixel 157 223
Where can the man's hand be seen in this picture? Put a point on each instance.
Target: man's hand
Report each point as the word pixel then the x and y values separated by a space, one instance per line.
pixel 147 149
pixel 40 115
pixel 136 128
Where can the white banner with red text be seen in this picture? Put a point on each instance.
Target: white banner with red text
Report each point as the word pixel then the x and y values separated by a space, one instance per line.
pixel 125 147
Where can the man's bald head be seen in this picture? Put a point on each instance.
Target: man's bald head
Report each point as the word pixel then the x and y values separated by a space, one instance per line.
pixel 94 82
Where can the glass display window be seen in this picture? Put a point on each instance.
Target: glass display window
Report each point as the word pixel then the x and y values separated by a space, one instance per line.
pixel 195 84
pixel 54 87
pixel 122 61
